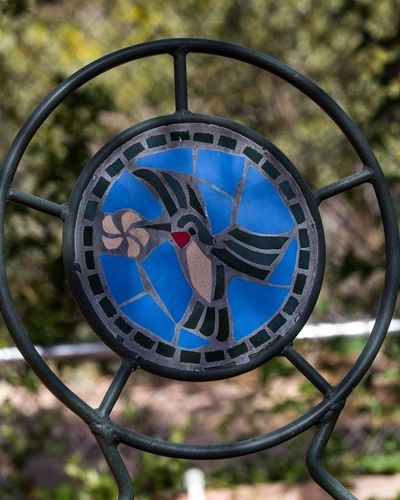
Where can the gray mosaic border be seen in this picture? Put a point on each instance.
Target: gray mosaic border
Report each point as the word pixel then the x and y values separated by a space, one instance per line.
pixel 144 343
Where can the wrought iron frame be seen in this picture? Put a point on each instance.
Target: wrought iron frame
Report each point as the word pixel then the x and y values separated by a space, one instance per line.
pixel 221 372
pixel 323 415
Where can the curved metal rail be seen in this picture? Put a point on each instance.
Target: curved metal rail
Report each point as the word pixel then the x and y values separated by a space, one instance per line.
pixel 108 433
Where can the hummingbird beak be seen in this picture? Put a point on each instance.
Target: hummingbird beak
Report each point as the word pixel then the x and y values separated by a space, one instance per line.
pixel 181 238
pixel 159 227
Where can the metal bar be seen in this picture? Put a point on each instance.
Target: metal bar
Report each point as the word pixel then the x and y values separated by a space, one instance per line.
pixel 315 467
pixel 118 469
pixel 222 450
pixel 307 370
pixel 37 203
pixel 344 184
pixel 309 88
pixel 359 143
pixel 180 75
pixel 116 387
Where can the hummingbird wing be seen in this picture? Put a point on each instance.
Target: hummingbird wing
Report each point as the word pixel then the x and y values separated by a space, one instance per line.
pixel 248 253
pixel 245 252
pixel 173 190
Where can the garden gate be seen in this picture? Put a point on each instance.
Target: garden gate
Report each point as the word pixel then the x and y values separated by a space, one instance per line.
pixel 195 250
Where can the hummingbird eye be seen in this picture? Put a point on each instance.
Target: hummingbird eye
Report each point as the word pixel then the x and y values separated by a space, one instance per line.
pixel 192 231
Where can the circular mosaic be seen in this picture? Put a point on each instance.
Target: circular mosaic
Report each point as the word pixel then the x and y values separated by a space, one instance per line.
pixel 195 248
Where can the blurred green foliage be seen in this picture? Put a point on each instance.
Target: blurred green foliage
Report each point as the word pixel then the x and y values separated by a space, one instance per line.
pixel 351 48
pixel 83 484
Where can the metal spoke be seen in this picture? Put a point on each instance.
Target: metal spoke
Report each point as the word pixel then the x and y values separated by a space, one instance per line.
pixel 307 370
pixel 110 435
pixel 314 455
pixel 37 203
pixel 180 75
pixel 116 387
pixel 118 468
pixel 353 180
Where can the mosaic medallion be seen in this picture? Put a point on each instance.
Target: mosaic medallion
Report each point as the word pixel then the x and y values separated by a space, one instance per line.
pixel 195 248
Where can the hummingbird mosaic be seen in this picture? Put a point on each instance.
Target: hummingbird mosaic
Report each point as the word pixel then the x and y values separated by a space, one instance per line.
pixel 209 258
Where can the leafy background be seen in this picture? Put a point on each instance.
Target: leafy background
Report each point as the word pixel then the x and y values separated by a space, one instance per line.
pixel 351 48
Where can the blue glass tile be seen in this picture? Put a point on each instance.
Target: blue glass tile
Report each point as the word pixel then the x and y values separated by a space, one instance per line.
pixel 252 304
pixel 262 209
pixel 177 159
pixel 283 273
pixel 146 313
pixel 222 169
pixel 165 273
pixel 130 193
pixel 122 276
pixel 189 340
pixel 218 208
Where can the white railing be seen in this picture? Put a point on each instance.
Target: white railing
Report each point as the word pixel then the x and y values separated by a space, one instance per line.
pixel 99 350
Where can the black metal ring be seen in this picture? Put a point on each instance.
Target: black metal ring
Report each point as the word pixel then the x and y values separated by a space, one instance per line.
pixel 74 270
pixel 178 48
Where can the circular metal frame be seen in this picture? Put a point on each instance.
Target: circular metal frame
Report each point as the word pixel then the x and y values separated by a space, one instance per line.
pixel 110 434
pixel 74 276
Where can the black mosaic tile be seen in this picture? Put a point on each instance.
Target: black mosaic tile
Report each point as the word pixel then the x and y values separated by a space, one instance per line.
pixel 203 137
pixel 180 135
pixel 223 325
pixel 107 307
pixel 287 190
pixel 133 151
pixel 115 168
pixel 260 338
pixel 154 180
pixel 227 142
pixel 89 259
pixel 95 284
pixel 238 350
pixel 304 239
pixel 297 212
pixel 90 210
pixel 291 305
pixel 165 350
pixel 195 202
pixel 177 189
pixel 276 323
pixel 207 328
pixel 123 325
pixel 304 259
pixel 190 357
pixel 299 283
pixel 219 282
pixel 143 340
pixel 194 316
pixel 257 241
pixel 156 141
pixel 101 187
pixel 270 170
pixel 252 154
pixel 213 356
pixel 88 236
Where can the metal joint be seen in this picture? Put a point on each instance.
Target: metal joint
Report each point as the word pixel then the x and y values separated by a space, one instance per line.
pixel 105 430
pixel 325 413
pixel 332 414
